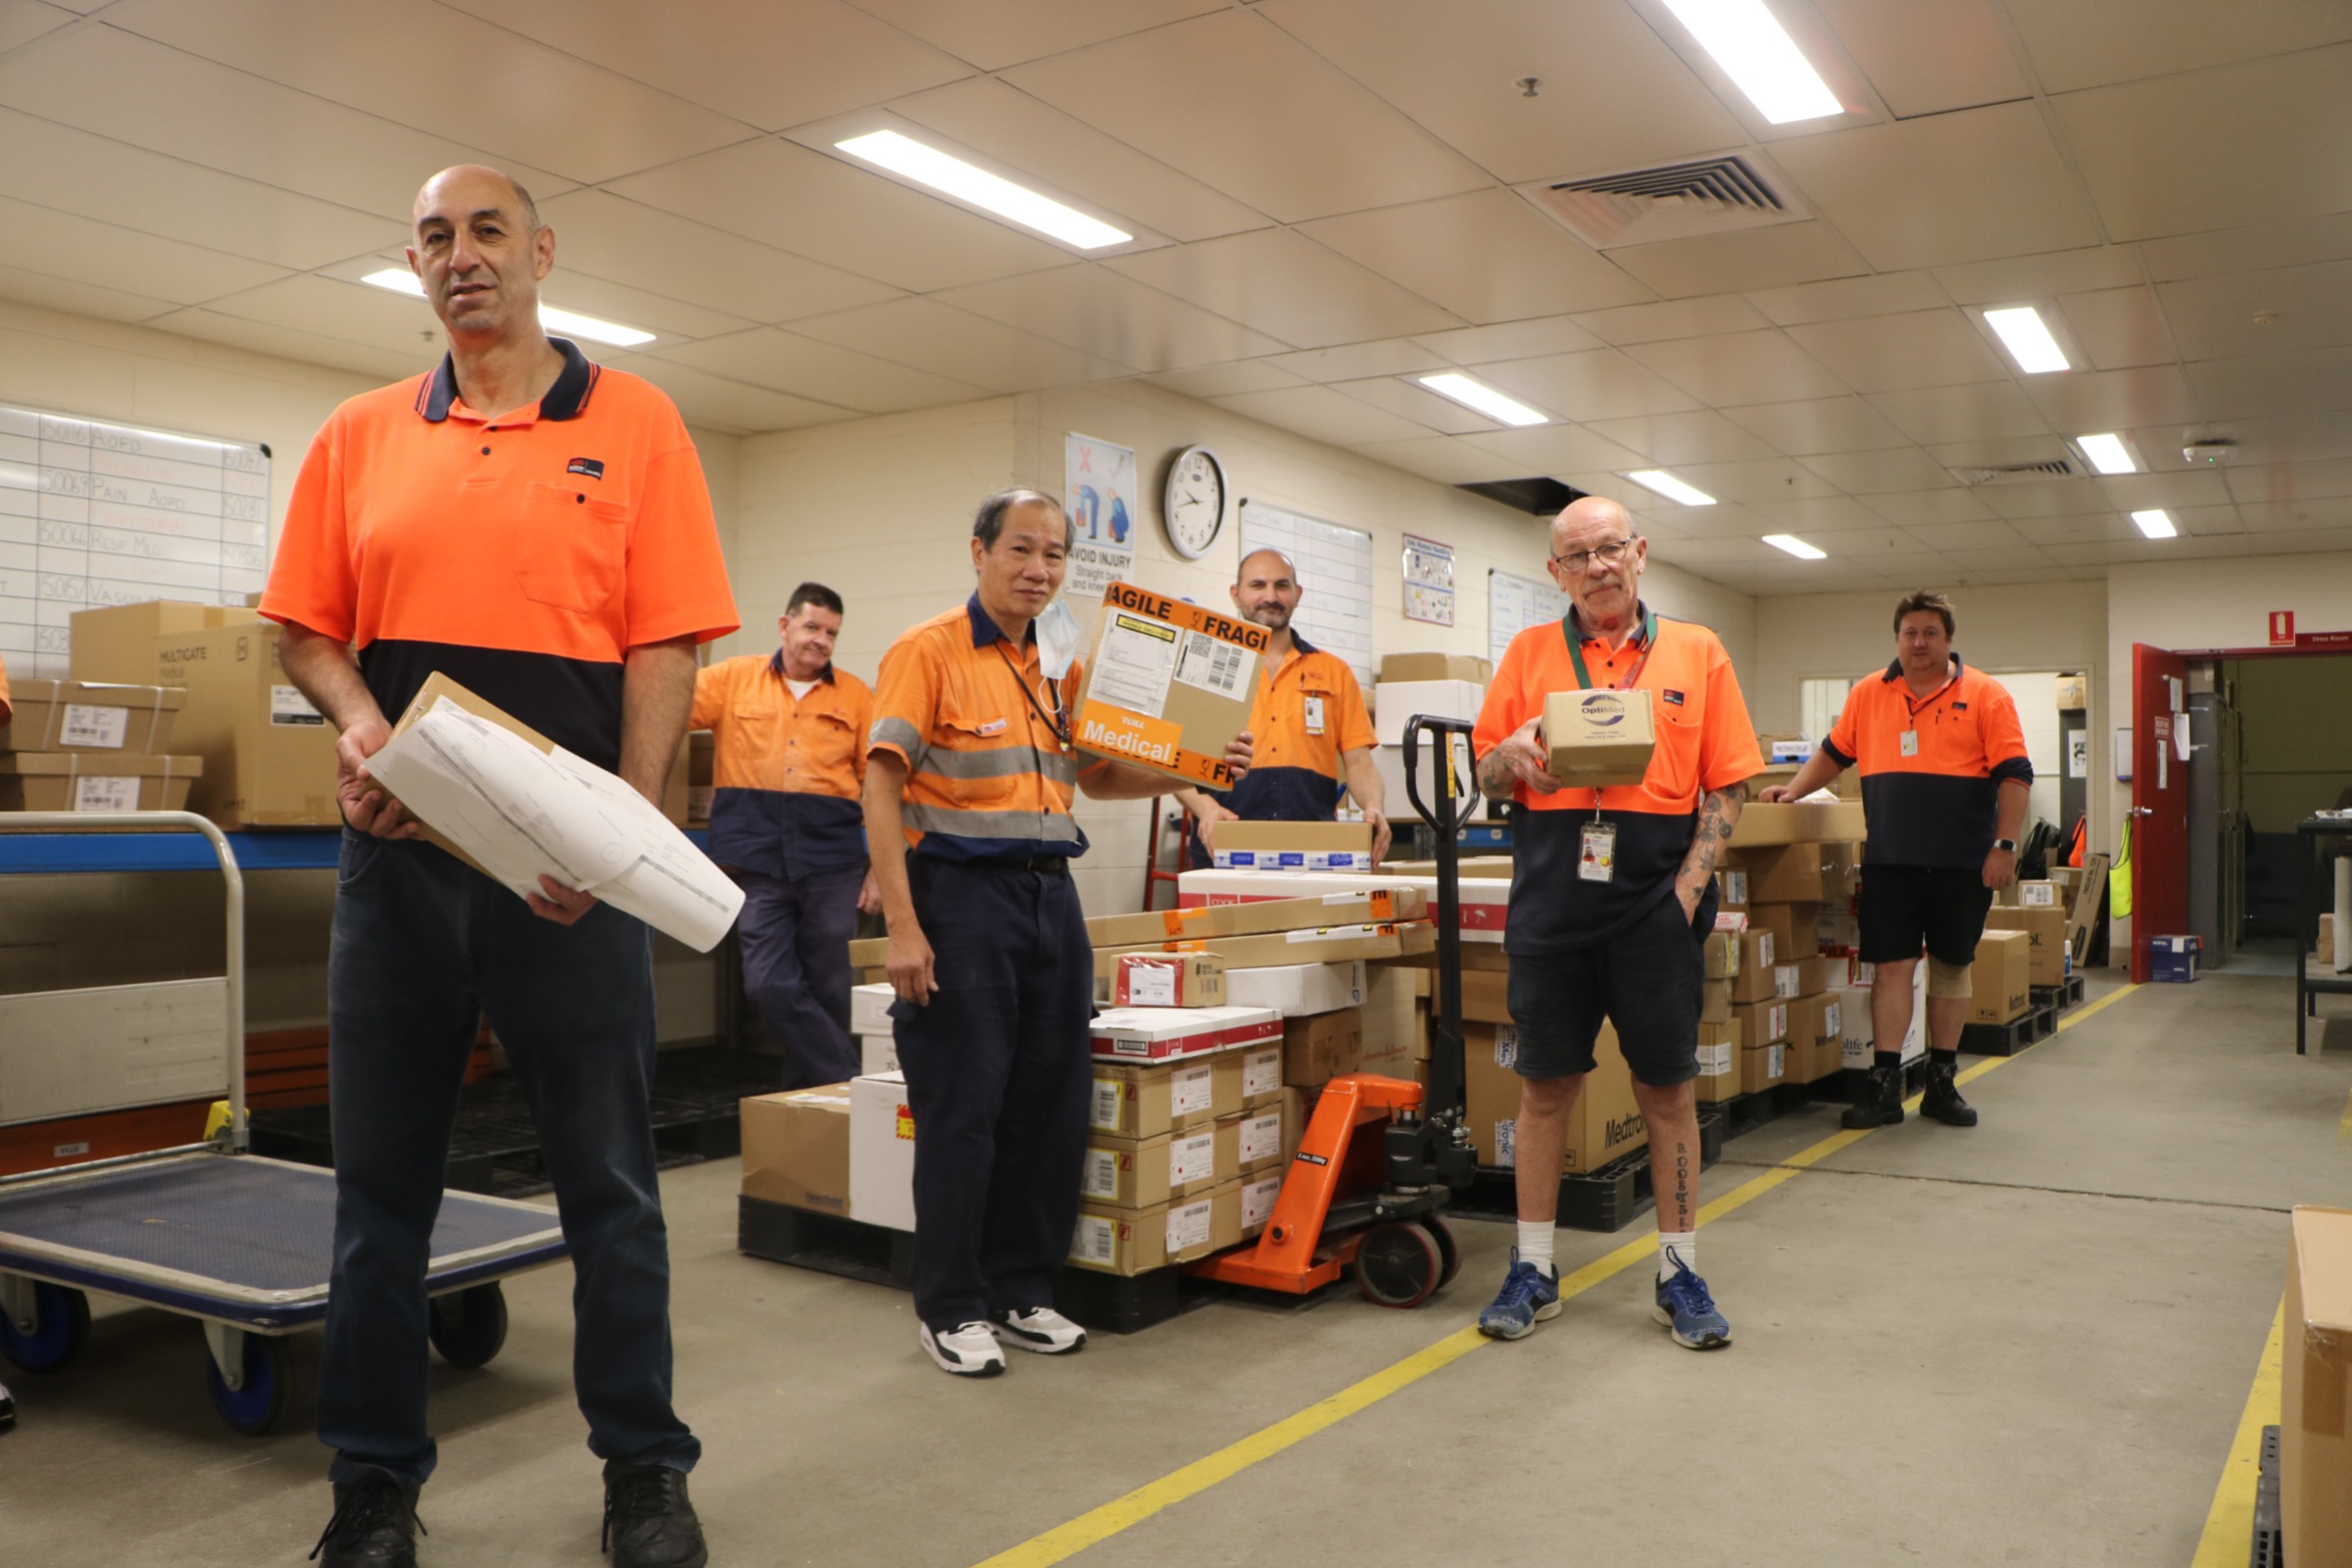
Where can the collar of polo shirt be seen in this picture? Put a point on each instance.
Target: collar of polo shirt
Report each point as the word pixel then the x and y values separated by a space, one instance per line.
pixel 984 627
pixel 775 667
pixel 1895 670
pixel 565 400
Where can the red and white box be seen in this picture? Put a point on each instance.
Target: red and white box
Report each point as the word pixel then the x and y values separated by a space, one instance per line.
pixel 1165 1034
pixel 1168 980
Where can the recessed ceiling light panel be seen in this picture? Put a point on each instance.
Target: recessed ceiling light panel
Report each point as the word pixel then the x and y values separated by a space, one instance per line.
pixel 1666 484
pixel 571 323
pixel 1483 399
pixel 2155 523
pixel 2108 453
pixel 1756 52
pixel 975 187
pixel 1795 547
pixel 2028 338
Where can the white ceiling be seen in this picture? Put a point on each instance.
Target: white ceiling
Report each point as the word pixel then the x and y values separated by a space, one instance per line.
pixel 1326 194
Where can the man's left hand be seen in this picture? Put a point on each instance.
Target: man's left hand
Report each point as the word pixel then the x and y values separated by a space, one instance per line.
pixel 2000 868
pixel 869 896
pixel 1238 753
pixel 559 903
pixel 1380 835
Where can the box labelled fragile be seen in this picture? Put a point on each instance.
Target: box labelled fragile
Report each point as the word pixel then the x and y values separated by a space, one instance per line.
pixel 1168 685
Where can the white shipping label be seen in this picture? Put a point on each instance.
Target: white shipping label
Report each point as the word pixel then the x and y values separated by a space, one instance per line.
pixel 1776 1059
pixel 1763 948
pixel 2038 895
pixel 1262 1139
pixel 1262 1072
pixel 1832 1021
pixel 1784 980
pixel 1506 1139
pixel 1258 1201
pixel 1100 1178
pixel 90 725
pixel 1192 1159
pixel 1194 1089
pixel 1506 1045
pixel 1735 887
pixel 1139 655
pixel 1189 1226
pixel 105 794
pixel 1104 1112
pixel 1777 1018
pixel 1715 1060
pixel 1333 933
pixel 1095 1242
pixel 1211 664
pixel 1150 985
pixel 287 706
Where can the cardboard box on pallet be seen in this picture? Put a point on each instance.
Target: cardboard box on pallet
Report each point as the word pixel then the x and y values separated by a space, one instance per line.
pixel 1754 978
pixel 1162 1034
pixel 1855 1024
pixel 2045 926
pixel 1143 1173
pixel 1762 1066
pixel 78 715
pixel 1803 977
pixel 1714 1002
pixel 1791 873
pixel 1169 980
pixel 1259 1193
pixel 116 642
pixel 1261 1076
pixel 2315 1450
pixel 268 755
pixel 1260 1138
pixel 1293 846
pixel 1718 1065
pixel 1732 888
pixel 96 781
pixel 1168 685
pixel 2001 980
pixel 1130 1242
pixel 1605 1125
pixel 1366 903
pixel 1816 1037
pixel 882 1152
pixel 1761 1023
pixel 1720 953
pixel 1319 1049
pixel 1791 927
pixel 795 1148
pixel 1138 1099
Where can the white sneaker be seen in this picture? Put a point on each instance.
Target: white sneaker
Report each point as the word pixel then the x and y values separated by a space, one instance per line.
pixel 1040 1329
pixel 969 1349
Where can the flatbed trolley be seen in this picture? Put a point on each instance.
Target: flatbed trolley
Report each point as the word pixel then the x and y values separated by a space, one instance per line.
pixel 242 1244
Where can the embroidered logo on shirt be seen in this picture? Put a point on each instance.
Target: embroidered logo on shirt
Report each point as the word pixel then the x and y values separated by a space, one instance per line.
pixel 995 726
pixel 593 468
pixel 1959 707
pixel 1673 698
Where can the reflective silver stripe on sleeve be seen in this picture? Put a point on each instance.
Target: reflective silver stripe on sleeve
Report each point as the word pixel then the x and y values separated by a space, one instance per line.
pixel 1005 762
pixel 895 732
pixel 1044 827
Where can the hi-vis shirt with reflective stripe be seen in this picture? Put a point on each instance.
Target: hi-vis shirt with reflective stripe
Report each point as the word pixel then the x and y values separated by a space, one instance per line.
pixel 989 774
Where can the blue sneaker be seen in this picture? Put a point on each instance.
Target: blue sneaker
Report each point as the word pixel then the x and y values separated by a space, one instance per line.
pixel 1527 1298
pixel 1684 1306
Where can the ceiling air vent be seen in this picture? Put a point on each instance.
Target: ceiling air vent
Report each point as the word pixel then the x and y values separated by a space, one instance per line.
pixel 2015 473
pixel 1673 200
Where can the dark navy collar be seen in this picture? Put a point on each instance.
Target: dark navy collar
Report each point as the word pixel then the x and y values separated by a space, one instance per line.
pixel 1642 623
pixel 775 667
pixel 1895 670
pixel 1300 646
pixel 984 627
pixel 568 399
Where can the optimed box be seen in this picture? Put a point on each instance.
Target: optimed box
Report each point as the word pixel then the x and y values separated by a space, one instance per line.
pixel 1168 685
pixel 268 755
pixel 1598 738
pixel 795 1148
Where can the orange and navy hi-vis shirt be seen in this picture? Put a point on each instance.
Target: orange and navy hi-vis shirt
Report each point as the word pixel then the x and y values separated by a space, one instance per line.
pixel 5 710
pixel 989 768
pixel 787 771
pixel 1704 743
pixel 522 556
pixel 1933 799
pixel 1305 716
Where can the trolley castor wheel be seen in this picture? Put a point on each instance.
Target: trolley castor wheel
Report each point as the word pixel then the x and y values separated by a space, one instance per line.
pixel 59 1329
pixel 1398 1265
pixel 470 1326
pixel 1450 1250
pixel 266 1385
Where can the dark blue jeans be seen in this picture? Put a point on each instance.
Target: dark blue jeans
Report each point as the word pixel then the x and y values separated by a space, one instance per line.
pixel 796 934
pixel 423 945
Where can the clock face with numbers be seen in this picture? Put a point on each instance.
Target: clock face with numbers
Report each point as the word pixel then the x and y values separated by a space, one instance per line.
pixel 1192 507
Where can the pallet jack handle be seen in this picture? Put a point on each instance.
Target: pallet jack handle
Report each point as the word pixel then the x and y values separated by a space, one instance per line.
pixel 1456 800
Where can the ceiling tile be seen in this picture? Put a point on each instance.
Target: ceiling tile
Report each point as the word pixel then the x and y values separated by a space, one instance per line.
pixel 22 20
pixel 1736 367
pixel 2216 149
pixel 1691 317
pixel 1355 361
pixel 2206 522
pixel 288 343
pixel 1928 56
pixel 2214 317
pixel 392 58
pixel 2310 511
pixel 1886 548
pixel 706 399
pixel 1958 187
pixel 1819 514
pixel 1444 459
pixel 1822 425
pixel 630 242
pixel 2114 400
pixel 1754 480
pixel 1512 340
pixel 767 62
pixel 41 239
pixel 1701 437
pixel 1286 286
pixel 2021 277
pixel 800 201
pixel 1224 380
pixel 1485 255
pixel 1559 449
pixel 824 372
pixel 569 288
pixel 1953 537
pixel 1884 294
pixel 945 341
pixel 1598 383
pixel 2045 498
pixel 2083 43
pixel 2273 383
pixel 2303 437
pixel 2119 328
pixel 2075 529
pixel 77 297
pixel 1322 415
pixel 1112 317
pixel 2301 542
pixel 1983 412
pixel 2011 563
pixel 1995 452
pixel 1754 258
pixel 1859 473
pixel 1918 509
pixel 992 38
pixel 1893 353
pixel 1195 96
pixel 2283 484
pixel 2132 492
pixel 352 312
pixel 1409 401
pixel 1454 68
pixel 2260 248
pixel 1023 133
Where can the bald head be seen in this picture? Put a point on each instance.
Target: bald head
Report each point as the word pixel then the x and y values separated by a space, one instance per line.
pixel 463 186
pixel 1585 513
pixel 1267 590
pixel 480 252
pixel 1262 562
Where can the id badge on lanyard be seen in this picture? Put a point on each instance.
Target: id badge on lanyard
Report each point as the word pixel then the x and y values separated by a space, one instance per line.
pixel 1596 859
pixel 1315 714
pixel 1909 740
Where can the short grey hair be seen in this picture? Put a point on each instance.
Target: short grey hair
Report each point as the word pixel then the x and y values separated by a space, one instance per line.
pixel 989 521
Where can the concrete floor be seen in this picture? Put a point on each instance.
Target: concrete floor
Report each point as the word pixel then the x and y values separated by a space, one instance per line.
pixel 2026 1344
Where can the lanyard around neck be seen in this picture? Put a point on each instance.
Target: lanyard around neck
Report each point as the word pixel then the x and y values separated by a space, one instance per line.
pixel 1060 720
pixel 1576 650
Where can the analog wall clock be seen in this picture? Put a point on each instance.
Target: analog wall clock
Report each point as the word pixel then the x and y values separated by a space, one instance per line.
pixel 1192 508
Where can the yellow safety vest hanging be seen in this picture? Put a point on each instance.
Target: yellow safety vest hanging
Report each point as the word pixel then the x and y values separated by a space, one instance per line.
pixel 2119 880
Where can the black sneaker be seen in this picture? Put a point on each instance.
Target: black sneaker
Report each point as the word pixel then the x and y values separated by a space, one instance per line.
pixel 1882 1101
pixel 1942 1100
pixel 375 1526
pixel 647 1521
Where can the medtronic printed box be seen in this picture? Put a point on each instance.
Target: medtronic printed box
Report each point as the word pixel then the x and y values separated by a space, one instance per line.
pixel 1605 1124
pixel 2314 1449
pixel 1138 1241
pixel 1168 685
pixel 268 755
pixel 1294 847
pixel 2001 980
pixel 882 1152
pixel 795 1148
pixel 80 715
pixel 1598 738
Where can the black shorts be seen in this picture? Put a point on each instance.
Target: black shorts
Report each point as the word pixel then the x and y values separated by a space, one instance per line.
pixel 1905 908
pixel 1647 980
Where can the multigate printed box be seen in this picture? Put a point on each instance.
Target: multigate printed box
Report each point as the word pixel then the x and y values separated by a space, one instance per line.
pixel 268 755
pixel 1168 685
pixel 116 642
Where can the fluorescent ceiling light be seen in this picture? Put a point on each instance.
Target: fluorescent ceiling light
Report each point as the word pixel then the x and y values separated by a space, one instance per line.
pixel 2107 453
pixel 1795 547
pixel 967 182
pixel 556 320
pixel 1673 489
pixel 2156 524
pixel 1759 55
pixel 2027 339
pixel 1483 398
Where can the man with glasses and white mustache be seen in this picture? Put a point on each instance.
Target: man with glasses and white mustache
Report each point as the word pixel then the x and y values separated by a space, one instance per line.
pixel 1612 894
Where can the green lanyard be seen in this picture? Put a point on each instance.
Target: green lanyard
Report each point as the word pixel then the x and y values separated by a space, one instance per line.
pixel 1576 651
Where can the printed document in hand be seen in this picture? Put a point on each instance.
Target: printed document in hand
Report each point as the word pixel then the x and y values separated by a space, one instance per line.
pixel 518 812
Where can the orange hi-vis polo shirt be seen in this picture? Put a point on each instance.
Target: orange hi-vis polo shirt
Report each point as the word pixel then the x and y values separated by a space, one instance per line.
pixel 1305 716
pixel 1931 767
pixel 1704 743
pixel 990 770
pixel 786 771
pixel 522 556
pixel 5 709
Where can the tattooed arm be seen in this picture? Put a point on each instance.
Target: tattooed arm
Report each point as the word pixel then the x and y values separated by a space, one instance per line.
pixel 1516 760
pixel 1718 814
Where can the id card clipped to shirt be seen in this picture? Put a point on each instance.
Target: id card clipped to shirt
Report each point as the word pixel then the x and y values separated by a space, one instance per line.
pixel 1315 714
pixel 1596 859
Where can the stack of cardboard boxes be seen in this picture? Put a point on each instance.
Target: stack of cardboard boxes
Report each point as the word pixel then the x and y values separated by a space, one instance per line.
pixel 1780 963
pixel 91 746
pixel 1442 685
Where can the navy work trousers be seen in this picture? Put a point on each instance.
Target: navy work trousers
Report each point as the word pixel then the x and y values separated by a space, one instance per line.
pixel 998 1076
pixel 796 934
pixel 424 947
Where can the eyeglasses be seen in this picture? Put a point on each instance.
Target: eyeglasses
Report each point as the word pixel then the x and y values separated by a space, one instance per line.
pixel 1576 562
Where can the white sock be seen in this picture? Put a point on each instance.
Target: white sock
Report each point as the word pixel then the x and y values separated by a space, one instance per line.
pixel 1535 1245
pixel 1684 1246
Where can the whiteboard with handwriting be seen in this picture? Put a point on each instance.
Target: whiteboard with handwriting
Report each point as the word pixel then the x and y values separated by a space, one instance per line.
pixel 97 513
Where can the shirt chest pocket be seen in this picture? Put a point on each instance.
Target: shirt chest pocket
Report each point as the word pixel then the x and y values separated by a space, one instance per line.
pixel 1673 765
pixel 573 550
pixel 982 757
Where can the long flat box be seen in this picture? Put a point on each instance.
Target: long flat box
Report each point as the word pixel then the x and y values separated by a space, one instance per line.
pixel 2001 980
pixel 1293 846
pixel 116 642
pixel 1120 1173
pixel 1398 669
pixel 111 1048
pixel 882 1152
pixel 80 716
pixel 1797 822
pixel 1341 900
pixel 795 1148
pixel 1168 685
pixel 1605 1124
pixel 1396 702
pixel 268 755
pixel 2045 926
pixel 1316 1050
pixel 1762 1066
pixel 1598 738
pixel 1138 1101
pixel 96 781
pixel 1168 980
pixel 1486 893
pixel 1163 1034
pixel 1281 948
pixel 2315 1450
pixel 1291 989
pixel 1130 1242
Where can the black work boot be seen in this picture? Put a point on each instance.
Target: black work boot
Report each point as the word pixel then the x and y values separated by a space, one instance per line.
pixel 1942 1100
pixel 375 1526
pixel 1881 1100
pixel 647 1521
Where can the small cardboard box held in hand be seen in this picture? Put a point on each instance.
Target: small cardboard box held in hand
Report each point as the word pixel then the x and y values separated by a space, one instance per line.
pixel 268 755
pixel 1168 685
pixel 1598 738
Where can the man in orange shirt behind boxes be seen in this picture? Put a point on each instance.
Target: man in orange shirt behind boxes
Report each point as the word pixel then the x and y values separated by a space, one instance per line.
pixel 789 732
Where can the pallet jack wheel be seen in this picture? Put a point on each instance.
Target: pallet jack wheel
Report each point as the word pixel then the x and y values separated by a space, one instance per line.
pixel 61 1327
pixel 1397 1265
pixel 256 1408
pixel 1450 1250
pixel 469 1327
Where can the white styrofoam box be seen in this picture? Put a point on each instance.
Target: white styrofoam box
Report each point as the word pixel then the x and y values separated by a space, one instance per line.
pixel 1395 701
pixel 1162 1034
pixel 869 1009
pixel 881 1151
pixel 877 1054
pixel 1485 900
pixel 1295 990
pixel 1855 1028
pixel 109 1048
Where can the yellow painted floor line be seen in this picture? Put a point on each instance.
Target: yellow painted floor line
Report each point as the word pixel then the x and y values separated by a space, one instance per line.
pixel 2229 1523
pixel 1064 1541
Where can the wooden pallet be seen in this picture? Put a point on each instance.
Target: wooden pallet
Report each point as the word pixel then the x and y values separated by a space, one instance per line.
pixel 2008 1038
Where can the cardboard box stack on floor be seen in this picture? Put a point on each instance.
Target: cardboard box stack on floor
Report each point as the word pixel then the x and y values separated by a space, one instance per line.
pixel 2001 980
pixel 2315 1450
pixel 2037 909
pixel 1442 685
pixel 104 741
pixel 1789 907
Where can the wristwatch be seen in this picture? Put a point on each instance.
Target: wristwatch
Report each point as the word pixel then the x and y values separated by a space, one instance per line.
pixel 2005 846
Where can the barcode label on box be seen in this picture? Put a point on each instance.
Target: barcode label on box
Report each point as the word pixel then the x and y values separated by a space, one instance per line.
pixel 2038 895
pixel 1211 664
pixel 1101 1176
pixel 1262 1139
pixel 1735 887
pixel 1189 1226
pixel 105 794
pixel 1506 1139
pixel 1506 1045
pixel 91 725
pixel 287 706
pixel 1776 1018
pixel 1192 1159
pixel 1262 1072
pixel 1715 1060
pixel 1095 1242
pixel 1258 1201
pixel 1190 1090
pixel 1784 981
pixel 1832 1021
pixel 1104 1112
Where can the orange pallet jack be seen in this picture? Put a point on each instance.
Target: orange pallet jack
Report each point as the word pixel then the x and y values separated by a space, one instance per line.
pixel 1380 1156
